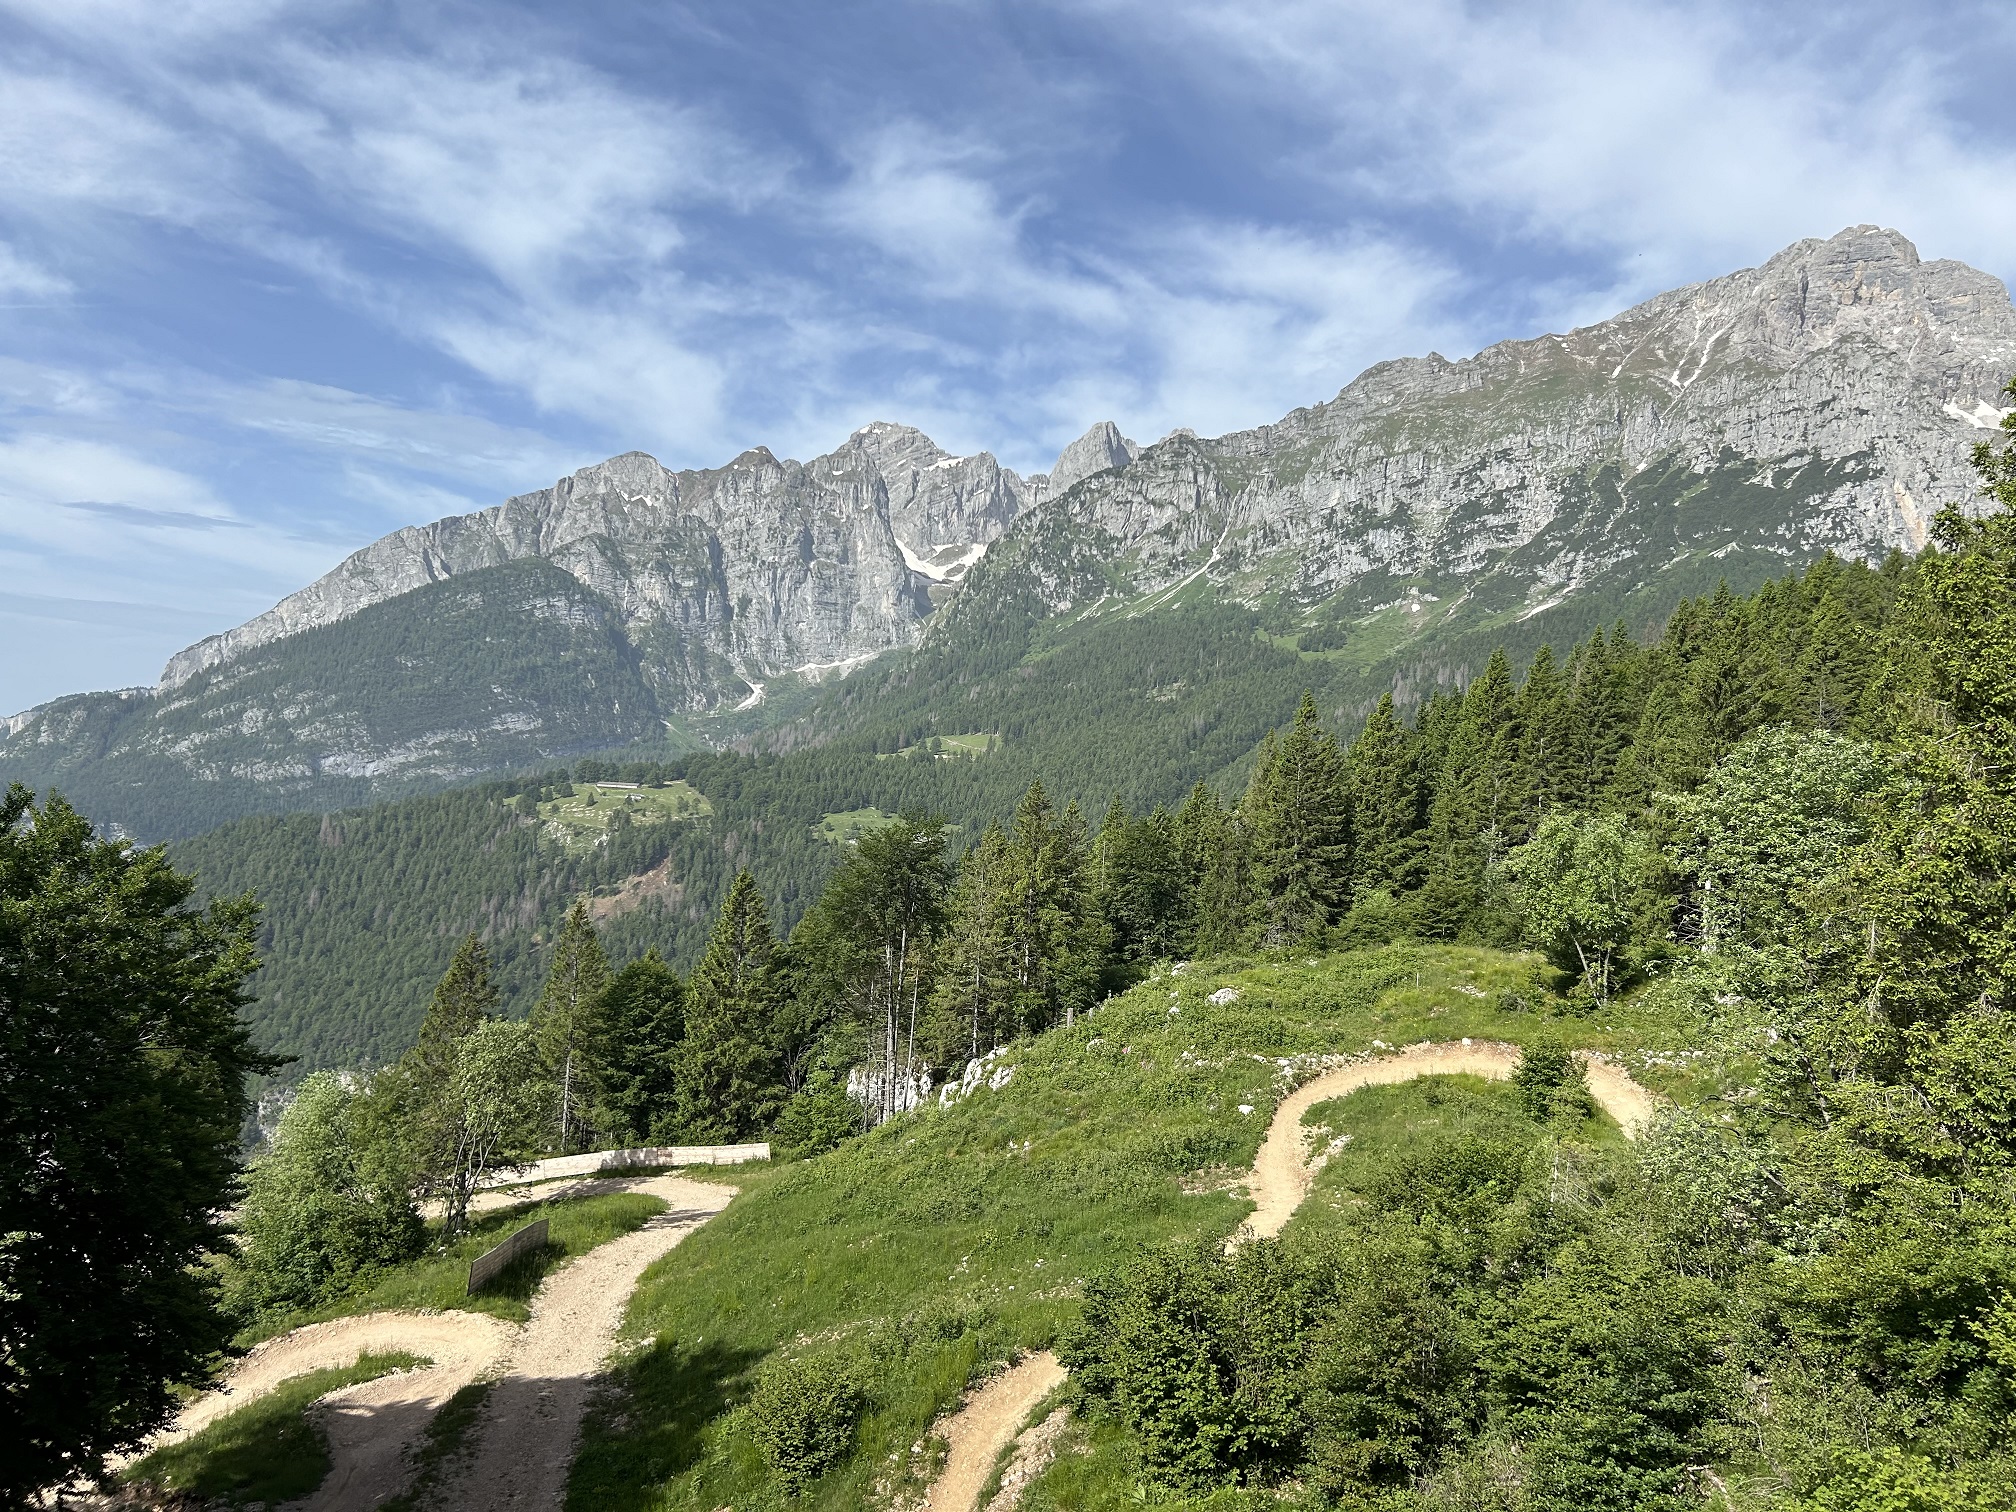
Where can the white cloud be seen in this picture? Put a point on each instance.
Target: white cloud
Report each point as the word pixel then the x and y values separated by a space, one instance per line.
pixel 95 520
pixel 21 278
pixel 1686 139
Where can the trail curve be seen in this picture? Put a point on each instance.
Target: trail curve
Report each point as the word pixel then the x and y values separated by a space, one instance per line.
pixel 1282 1174
pixel 525 1438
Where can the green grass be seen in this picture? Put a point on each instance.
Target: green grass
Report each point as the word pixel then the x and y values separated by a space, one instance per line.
pixel 266 1451
pixel 951 747
pixel 842 827
pixel 950 1238
pixel 583 818
pixel 439 1281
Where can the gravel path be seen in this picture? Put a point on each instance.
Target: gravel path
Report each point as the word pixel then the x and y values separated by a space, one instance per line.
pixel 371 1425
pixel 1282 1172
pixel 524 1441
pixel 987 1424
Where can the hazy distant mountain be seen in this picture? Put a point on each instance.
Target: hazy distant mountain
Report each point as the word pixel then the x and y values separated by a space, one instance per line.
pixel 1733 428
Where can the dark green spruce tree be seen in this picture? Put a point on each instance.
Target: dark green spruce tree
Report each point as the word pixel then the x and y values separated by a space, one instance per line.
pixel 564 1022
pixel 638 1027
pixel 725 1077
pixel 1298 810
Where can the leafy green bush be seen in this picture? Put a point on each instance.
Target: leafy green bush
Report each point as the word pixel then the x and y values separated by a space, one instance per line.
pixel 1892 1481
pixel 802 1416
pixel 1551 1080
pixel 1200 1355
pixel 815 1121
pixel 325 1211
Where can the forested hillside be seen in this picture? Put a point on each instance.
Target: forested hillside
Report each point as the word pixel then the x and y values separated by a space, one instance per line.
pixel 364 908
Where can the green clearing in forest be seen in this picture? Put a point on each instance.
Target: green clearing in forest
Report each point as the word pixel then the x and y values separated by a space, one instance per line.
pixel 948 1239
pixel 583 818
pixel 847 825
pixel 266 1451
pixel 949 747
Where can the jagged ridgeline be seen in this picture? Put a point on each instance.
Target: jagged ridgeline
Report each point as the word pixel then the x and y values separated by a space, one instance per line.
pixel 1728 431
pixel 364 908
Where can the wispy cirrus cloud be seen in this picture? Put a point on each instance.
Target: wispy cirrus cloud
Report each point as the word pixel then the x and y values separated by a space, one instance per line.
pixel 348 266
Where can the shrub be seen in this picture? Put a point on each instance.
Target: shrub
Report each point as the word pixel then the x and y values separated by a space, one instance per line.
pixel 802 1416
pixel 815 1121
pixel 1550 1080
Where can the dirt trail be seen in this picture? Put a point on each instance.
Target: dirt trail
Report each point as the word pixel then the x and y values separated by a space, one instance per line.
pixel 460 1344
pixel 1282 1174
pixel 987 1424
pixel 528 1429
pixel 524 1442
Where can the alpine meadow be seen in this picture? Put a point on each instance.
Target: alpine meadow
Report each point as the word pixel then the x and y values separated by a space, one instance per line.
pixel 1452 953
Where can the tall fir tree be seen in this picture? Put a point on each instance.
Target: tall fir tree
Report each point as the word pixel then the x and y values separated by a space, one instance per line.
pixel 1298 809
pixel 564 1023
pixel 411 1105
pixel 1054 936
pixel 976 988
pixel 725 1082
pixel 1480 798
pixel 639 1024
pixel 1384 785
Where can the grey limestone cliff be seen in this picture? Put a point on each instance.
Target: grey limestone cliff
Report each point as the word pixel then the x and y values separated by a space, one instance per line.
pixel 1824 400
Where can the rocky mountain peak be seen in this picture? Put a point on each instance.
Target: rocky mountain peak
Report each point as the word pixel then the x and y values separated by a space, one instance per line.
pixel 1099 449
pixel 940 506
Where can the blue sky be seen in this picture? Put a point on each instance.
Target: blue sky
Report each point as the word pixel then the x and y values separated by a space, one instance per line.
pixel 277 278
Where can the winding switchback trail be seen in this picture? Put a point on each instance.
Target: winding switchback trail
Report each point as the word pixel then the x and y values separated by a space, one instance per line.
pixel 989 1421
pixel 371 1425
pixel 1282 1172
pixel 524 1441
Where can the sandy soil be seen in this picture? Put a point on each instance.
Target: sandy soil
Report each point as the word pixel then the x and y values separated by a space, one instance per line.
pixel 460 1344
pixel 1035 1448
pixel 985 1425
pixel 525 1440
pixel 1282 1172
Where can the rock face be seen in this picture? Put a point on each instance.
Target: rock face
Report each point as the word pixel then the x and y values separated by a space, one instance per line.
pixel 1824 400
pixel 1735 427
pixel 728 575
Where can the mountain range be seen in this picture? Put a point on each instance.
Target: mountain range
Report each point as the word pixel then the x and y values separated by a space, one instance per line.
pixel 1729 429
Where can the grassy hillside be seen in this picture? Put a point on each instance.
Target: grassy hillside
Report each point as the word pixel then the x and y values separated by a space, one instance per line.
pixel 947 1239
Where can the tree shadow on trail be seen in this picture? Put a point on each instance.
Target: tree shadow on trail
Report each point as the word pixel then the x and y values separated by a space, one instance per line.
pixel 661 1401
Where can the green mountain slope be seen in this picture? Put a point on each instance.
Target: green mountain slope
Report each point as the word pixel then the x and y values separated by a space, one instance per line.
pixel 500 668
pixel 950 1238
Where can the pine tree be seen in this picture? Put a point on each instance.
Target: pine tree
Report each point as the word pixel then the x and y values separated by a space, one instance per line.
pixel 1052 931
pixel 462 999
pixel 1384 789
pixel 411 1102
pixel 1479 796
pixel 723 1075
pixel 1548 743
pixel 1835 666
pixel 1298 808
pixel 1143 894
pixel 977 986
pixel 639 1024
pixel 564 1021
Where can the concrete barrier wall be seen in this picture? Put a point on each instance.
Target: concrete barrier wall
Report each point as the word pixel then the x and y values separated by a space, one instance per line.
pixel 616 1160
pixel 486 1265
